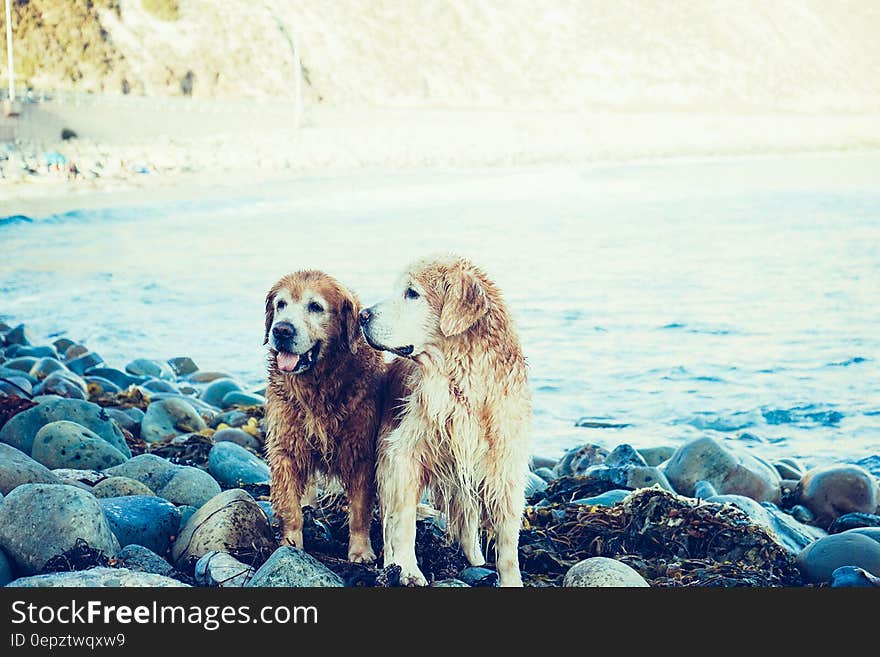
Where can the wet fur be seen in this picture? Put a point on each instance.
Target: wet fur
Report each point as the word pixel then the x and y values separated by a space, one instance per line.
pixel 462 429
pixel 325 421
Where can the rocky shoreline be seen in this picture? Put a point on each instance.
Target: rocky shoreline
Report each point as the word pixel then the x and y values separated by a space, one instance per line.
pixel 153 475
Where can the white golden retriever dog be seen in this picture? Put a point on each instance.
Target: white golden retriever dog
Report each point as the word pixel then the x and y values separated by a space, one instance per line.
pixel 462 429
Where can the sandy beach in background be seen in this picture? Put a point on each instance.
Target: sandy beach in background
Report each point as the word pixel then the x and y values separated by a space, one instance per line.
pixel 135 150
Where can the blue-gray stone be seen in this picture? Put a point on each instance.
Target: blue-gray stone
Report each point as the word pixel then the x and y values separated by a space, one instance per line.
pixel 115 376
pixel 221 569
pixel 214 393
pixel 85 362
pixel 183 365
pixel 14 385
pixel 45 366
pixel 62 344
pixel 820 559
pixel 128 418
pixel 140 559
pixel 158 385
pixel 151 470
pixel 64 384
pixel 266 506
pixel 546 474
pixel 101 385
pixel 238 437
pixel 534 484
pixel 608 498
pixel 64 444
pixel 704 490
pixel 119 487
pixel 233 465
pixel 478 576
pixel 170 417
pixel 40 521
pixel 232 418
pixel 852 577
pixel 576 460
pixel 23 363
pixel 142 520
pixel 21 335
pixel 17 468
pixel 186 512
pixel 36 352
pixel 98 578
pixel 624 455
pixel 240 398
pixel 5 569
pixel 151 368
pixel 870 532
pixel 656 455
pixel 190 486
pixel 291 567
pixel 23 427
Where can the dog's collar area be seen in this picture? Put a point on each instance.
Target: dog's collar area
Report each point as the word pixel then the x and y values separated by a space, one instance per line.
pixel 291 363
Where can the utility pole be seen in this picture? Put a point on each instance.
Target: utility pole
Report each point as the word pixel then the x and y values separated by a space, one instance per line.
pixel 9 51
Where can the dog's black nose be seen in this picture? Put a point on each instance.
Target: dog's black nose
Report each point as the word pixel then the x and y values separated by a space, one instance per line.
pixel 364 316
pixel 283 331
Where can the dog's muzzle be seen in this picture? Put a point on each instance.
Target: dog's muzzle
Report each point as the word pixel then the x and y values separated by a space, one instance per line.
pixel 364 318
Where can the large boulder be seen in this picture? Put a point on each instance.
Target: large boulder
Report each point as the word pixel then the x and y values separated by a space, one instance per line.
pixel 170 417
pixel 292 567
pixel 834 490
pixel 144 520
pixel 603 572
pixel 731 472
pixel 64 444
pixel 98 577
pixel 17 468
pixel 819 560
pixel 230 522
pixel 21 430
pixel 40 521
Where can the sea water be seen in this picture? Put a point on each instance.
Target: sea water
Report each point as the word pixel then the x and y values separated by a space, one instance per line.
pixel 736 298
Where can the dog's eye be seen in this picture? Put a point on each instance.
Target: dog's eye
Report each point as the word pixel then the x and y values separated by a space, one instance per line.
pixel 316 307
pixel 282 305
pixel 411 293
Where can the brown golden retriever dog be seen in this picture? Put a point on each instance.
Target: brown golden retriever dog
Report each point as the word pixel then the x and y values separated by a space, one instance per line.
pixel 323 402
pixel 463 426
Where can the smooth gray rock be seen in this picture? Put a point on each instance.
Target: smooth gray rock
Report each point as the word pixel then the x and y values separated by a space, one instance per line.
pixel 534 484
pixel 479 576
pixel 179 484
pixel 64 384
pixel 139 558
pixel 576 461
pixel 832 491
pixel 221 569
pixel 45 366
pixel 241 398
pixel 852 577
pixel 153 368
pixel 23 427
pixel 624 455
pixel 207 377
pixel 630 476
pixel 21 334
pixel 119 487
pixel 704 490
pixel 62 344
pixel 538 461
pixel 17 468
pixel 129 419
pixel 730 471
pixel 233 465
pixel 214 393
pixel 238 437
pixel 183 365
pixel 292 567
pixel 190 486
pixel 98 577
pixel 117 377
pixel 144 520
pixel 230 522
pixel 22 364
pixel 82 364
pixel 64 444
pixel 656 455
pixel 98 385
pixel 5 569
pixel 787 470
pixel 40 521
pixel 232 418
pixel 819 560
pixel 603 572
pixel 546 474
pixel 608 498
pixel 158 385
pixel 170 417
pixel 870 532
pixel 84 479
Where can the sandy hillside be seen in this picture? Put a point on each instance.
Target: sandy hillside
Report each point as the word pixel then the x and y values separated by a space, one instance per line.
pixel 752 56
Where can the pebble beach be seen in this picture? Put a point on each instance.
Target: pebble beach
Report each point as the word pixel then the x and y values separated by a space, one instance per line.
pixel 151 473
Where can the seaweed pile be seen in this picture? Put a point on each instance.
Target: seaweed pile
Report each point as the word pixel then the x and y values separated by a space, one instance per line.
pixel 670 540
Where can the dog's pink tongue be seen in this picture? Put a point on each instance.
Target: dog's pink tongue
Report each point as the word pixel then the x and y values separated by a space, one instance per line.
pixel 286 362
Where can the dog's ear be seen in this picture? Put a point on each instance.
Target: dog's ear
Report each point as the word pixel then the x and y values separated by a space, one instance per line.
pixel 464 304
pixel 349 327
pixel 270 314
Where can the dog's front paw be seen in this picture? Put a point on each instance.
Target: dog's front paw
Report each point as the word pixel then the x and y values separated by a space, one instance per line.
pixel 294 538
pixel 412 577
pixel 361 554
